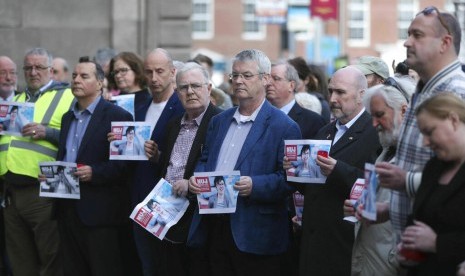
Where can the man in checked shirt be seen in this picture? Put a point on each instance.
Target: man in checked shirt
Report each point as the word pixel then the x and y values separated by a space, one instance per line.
pixel 185 136
pixel 433 45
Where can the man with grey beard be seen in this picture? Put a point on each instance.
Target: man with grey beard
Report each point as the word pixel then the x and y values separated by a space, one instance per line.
pixel 375 244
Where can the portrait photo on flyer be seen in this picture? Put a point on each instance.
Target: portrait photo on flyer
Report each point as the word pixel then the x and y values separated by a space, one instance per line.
pixel 218 195
pixel 129 140
pixel 160 210
pixel 61 181
pixel 14 115
pixel 302 154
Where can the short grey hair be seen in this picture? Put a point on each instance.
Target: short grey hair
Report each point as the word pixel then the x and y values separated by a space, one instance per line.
pixel 188 66
pixel 291 73
pixel 391 95
pixel 263 62
pixel 40 52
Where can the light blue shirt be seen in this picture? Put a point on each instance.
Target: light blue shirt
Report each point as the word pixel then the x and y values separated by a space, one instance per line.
pixel 77 129
pixel 234 140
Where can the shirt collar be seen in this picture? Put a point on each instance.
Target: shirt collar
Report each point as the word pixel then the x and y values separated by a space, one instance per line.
pixel 351 122
pixel 90 108
pixel 244 119
pixel 197 120
pixel 287 108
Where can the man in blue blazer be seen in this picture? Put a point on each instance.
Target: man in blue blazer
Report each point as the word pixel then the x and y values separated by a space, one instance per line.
pixel 250 139
pixel 89 226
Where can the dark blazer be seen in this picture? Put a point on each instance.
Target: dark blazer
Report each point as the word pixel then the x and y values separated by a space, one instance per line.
pixel 102 198
pixel 179 231
pixel 309 122
pixel 143 179
pixel 259 225
pixel 444 211
pixel 327 240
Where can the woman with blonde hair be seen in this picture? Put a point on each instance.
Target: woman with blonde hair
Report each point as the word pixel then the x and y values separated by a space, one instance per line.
pixel 437 233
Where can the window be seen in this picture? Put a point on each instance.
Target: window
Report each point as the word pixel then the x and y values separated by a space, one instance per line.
pixel 202 19
pixel 358 23
pixel 406 10
pixel 251 29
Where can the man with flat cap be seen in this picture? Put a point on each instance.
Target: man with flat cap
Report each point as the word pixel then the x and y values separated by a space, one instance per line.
pixel 375 69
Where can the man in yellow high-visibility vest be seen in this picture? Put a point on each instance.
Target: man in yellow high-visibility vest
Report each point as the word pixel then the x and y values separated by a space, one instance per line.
pixel 32 239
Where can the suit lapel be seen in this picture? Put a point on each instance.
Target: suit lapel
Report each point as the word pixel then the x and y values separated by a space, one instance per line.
pixel 351 135
pixel 66 123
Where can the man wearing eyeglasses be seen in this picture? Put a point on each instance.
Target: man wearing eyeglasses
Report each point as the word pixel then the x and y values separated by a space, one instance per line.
pixel 8 78
pixel 185 136
pixel 433 45
pixel 31 235
pixel 249 138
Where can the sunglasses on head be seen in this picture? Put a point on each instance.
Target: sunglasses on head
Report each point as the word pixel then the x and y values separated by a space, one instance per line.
pixel 392 82
pixel 429 10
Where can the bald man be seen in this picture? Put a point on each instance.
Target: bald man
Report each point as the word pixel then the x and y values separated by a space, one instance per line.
pixel 60 70
pixel 327 239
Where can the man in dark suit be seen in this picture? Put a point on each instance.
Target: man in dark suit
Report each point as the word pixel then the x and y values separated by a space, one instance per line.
pixel 89 226
pixel 185 137
pixel 157 111
pixel 326 238
pixel 250 139
pixel 280 92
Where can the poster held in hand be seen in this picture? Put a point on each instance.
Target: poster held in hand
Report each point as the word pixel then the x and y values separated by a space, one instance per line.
pixel 14 116
pixel 218 195
pixel 129 140
pixel 160 210
pixel 61 181
pixel 302 154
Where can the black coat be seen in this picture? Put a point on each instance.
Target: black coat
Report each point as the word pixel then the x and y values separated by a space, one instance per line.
pixel 327 239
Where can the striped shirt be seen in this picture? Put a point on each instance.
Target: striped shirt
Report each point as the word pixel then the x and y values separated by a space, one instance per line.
pixel 411 155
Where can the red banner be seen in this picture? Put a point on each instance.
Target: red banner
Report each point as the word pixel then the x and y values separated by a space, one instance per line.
pixel 326 9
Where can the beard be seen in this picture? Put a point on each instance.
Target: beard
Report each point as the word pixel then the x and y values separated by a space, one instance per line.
pixel 388 138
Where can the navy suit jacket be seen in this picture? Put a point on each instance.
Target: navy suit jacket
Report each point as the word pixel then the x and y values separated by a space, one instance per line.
pixel 102 198
pixel 309 122
pixel 144 178
pixel 259 225
pixel 327 239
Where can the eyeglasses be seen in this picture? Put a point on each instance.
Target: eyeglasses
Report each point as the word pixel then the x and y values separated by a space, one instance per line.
pixel 123 71
pixel 6 73
pixel 245 76
pixel 194 86
pixel 392 82
pixel 429 10
pixel 29 68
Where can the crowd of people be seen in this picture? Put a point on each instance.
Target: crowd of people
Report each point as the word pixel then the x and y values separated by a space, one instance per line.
pixel 410 125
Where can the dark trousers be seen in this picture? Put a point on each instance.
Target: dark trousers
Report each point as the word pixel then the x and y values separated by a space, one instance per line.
pixel 32 239
pixel 88 250
pixel 226 259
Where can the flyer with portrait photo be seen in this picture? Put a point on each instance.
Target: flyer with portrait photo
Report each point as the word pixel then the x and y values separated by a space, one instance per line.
pixel 61 181
pixel 124 101
pixel 218 195
pixel 160 210
pixel 14 116
pixel 298 199
pixel 130 139
pixel 302 155
pixel 368 197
